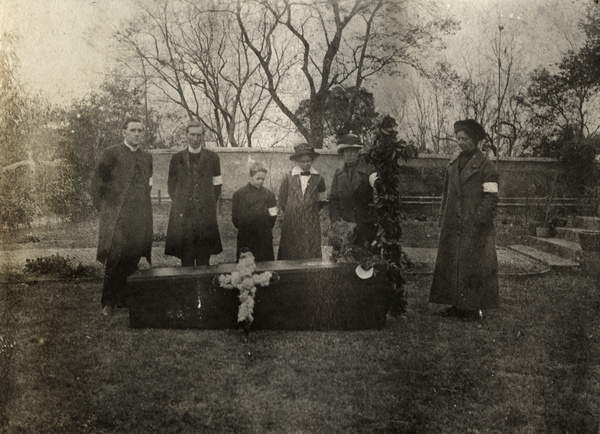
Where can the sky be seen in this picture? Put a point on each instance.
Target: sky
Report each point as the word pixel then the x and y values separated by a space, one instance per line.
pixel 65 46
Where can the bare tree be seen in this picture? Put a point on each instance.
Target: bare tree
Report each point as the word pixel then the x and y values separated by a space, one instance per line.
pixel 331 43
pixel 198 62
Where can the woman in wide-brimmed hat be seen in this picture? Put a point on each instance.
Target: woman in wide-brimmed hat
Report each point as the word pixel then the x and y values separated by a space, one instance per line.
pixel 466 269
pixel 301 196
pixel 351 193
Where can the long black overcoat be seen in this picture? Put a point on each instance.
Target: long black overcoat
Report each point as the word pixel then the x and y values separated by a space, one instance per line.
pixel 185 184
pixel 351 199
pixel 301 227
pixel 110 183
pixel 466 269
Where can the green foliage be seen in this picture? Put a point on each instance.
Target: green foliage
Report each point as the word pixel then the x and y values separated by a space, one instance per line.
pixel 562 100
pixel 12 103
pixel 56 264
pixel 344 110
pixel 17 203
pixel 580 167
pixel 96 122
pixel 67 196
pixel 384 154
pixel 342 238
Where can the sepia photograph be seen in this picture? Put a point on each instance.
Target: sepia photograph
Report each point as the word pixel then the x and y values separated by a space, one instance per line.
pixel 300 216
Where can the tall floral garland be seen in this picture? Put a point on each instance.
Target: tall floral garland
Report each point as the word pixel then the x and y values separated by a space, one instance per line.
pixel 383 153
pixel 246 281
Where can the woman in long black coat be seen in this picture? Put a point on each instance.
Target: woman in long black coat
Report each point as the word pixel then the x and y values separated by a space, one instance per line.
pixel 351 194
pixel 254 211
pixel 466 269
pixel 301 195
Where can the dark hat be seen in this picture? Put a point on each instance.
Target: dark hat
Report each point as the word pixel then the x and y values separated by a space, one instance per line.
pixel 471 128
pixel 348 141
pixel 303 149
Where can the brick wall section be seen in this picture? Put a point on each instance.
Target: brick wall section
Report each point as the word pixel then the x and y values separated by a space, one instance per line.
pixel 423 176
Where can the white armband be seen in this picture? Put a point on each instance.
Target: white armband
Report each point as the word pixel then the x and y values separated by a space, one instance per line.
pixel 323 196
pixel 490 187
pixel 273 211
pixel 217 180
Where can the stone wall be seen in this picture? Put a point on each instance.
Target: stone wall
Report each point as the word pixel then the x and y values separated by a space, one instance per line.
pixel 423 176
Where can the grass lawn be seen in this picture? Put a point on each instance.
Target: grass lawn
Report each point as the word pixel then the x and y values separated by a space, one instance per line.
pixel 533 366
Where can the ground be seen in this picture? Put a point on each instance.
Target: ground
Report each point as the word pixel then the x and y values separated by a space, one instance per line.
pixel 532 366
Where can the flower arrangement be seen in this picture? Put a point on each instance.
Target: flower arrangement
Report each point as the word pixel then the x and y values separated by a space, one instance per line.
pixel 246 281
pixel 342 237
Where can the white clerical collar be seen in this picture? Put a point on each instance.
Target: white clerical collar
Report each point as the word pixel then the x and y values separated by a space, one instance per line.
pixel 194 151
pixel 297 171
pixel 131 148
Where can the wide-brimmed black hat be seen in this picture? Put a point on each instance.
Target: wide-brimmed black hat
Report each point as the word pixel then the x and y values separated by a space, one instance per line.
pixel 471 128
pixel 303 149
pixel 348 141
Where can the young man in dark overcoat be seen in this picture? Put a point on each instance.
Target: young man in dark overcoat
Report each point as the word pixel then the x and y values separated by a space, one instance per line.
pixel 121 186
pixel 194 186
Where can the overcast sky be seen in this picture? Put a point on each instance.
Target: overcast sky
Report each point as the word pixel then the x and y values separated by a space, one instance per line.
pixel 65 45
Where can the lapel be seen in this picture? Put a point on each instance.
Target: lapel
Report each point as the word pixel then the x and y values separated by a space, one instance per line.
pixel 453 175
pixel 186 160
pixel 351 183
pixel 311 184
pixel 297 186
pixel 129 164
pixel 472 167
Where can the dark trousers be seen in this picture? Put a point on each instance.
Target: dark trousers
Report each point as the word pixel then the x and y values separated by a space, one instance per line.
pixel 191 258
pixel 119 266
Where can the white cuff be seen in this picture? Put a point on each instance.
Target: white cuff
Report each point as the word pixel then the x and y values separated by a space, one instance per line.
pixel 490 187
pixel 217 180
pixel 273 211
pixel 150 182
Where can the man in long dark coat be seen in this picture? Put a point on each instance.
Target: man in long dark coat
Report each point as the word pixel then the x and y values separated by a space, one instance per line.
pixel 194 186
pixel 466 269
pixel 351 194
pixel 121 191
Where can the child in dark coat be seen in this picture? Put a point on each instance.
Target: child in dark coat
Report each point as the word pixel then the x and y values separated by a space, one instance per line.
pixel 254 211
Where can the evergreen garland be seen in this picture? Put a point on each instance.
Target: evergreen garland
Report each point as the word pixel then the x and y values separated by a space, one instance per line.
pixel 383 153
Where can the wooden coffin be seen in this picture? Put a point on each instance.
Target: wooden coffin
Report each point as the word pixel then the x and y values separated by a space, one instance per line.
pixel 309 295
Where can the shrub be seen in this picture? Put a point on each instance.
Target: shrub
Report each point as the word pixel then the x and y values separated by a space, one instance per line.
pixel 18 206
pixel 67 195
pixel 56 264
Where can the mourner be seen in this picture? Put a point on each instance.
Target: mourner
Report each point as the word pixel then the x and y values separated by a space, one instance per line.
pixel 121 187
pixel 466 269
pixel 254 211
pixel 194 185
pixel 302 194
pixel 351 194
